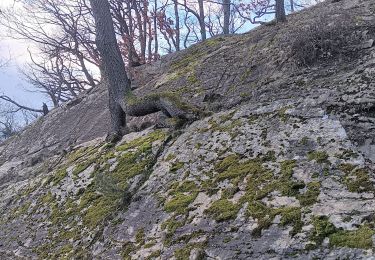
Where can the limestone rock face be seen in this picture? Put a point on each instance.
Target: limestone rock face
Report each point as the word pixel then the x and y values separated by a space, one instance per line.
pixel 283 168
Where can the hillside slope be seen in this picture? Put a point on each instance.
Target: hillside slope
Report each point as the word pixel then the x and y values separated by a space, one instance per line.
pixel 284 167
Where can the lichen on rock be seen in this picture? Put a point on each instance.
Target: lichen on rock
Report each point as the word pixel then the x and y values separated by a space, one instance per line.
pixel 283 168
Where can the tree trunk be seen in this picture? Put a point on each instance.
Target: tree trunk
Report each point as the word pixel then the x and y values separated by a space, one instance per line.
pixel 156 52
pixel 280 11
pixel 201 20
pixel 145 18
pixel 112 66
pixel 141 31
pixel 121 98
pixel 166 102
pixel 177 27
pixel 226 9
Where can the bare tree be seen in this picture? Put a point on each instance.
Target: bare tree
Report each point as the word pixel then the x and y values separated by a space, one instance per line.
pixel 121 99
pixel 200 16
pixel 13 119
pixel 18 106
pixel 56 76
pixel 8 125
pixel 58 28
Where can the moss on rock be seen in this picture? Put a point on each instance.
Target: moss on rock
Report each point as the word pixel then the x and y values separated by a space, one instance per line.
pixel 180 202
pixel 310 197
pixel 292 216
pixel 322 228
pixel 184 252
pixel 222 210
pixel 260 183
pixel 360 238
pixel 232 168
pixel 318 156
pixel 176 166
pixel 142 143
pixel 57 177
pixel 359 181
pixel 95 204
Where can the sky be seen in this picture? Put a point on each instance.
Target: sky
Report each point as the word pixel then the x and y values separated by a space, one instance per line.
pixel 11 82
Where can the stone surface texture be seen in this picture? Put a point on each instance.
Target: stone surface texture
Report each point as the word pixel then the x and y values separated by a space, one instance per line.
pixel 283 168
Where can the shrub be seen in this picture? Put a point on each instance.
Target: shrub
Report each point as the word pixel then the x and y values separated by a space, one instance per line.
pixel 321 40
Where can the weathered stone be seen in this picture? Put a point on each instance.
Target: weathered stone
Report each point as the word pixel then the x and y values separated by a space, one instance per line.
pixel 368 44
pixel 282 169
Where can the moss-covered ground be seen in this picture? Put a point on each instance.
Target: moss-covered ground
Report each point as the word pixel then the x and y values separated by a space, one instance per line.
pixel 84 213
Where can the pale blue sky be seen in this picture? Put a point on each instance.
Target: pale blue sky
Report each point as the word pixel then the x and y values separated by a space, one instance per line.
pixel 12 85
pixel 11 82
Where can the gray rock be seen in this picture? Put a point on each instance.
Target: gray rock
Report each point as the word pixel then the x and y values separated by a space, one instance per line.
pixel 368 44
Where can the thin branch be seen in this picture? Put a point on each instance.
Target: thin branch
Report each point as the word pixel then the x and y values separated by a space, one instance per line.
pixel 8 99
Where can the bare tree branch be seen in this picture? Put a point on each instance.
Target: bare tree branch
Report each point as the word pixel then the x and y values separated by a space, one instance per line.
pixel 8 99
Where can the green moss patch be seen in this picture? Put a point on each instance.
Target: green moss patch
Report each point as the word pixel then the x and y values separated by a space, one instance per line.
pixel 310 197
pixel 142 143
pixel 187 186
pixel 154 255
pixel 21 210
pixel 360 238
pixel 100 200
pixel 127 249
pixel 176 166
pixel 102 208
pixel 57 177
pixel 347 168
pixel 222 210
pixel 286 184
pixel 227 162
pixel 140 237
pixel 180 203
pixel 184 253
pixel 286 168
pixel 260 183
pixel 347 155
pixel 170 157
pixel 228 126
pixel 356 180
pixel 81 167
pixel 322 229
pixel 131 164
pixel 171 225
pixel 359 181
pixel 232 168
pixel 292 216
pixel 318 156
pixel 81 153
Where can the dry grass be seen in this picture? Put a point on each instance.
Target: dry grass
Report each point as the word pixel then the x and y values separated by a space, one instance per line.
pixel 322 40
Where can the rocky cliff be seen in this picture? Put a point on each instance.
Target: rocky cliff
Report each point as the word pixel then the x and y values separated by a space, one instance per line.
pixel 283 168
